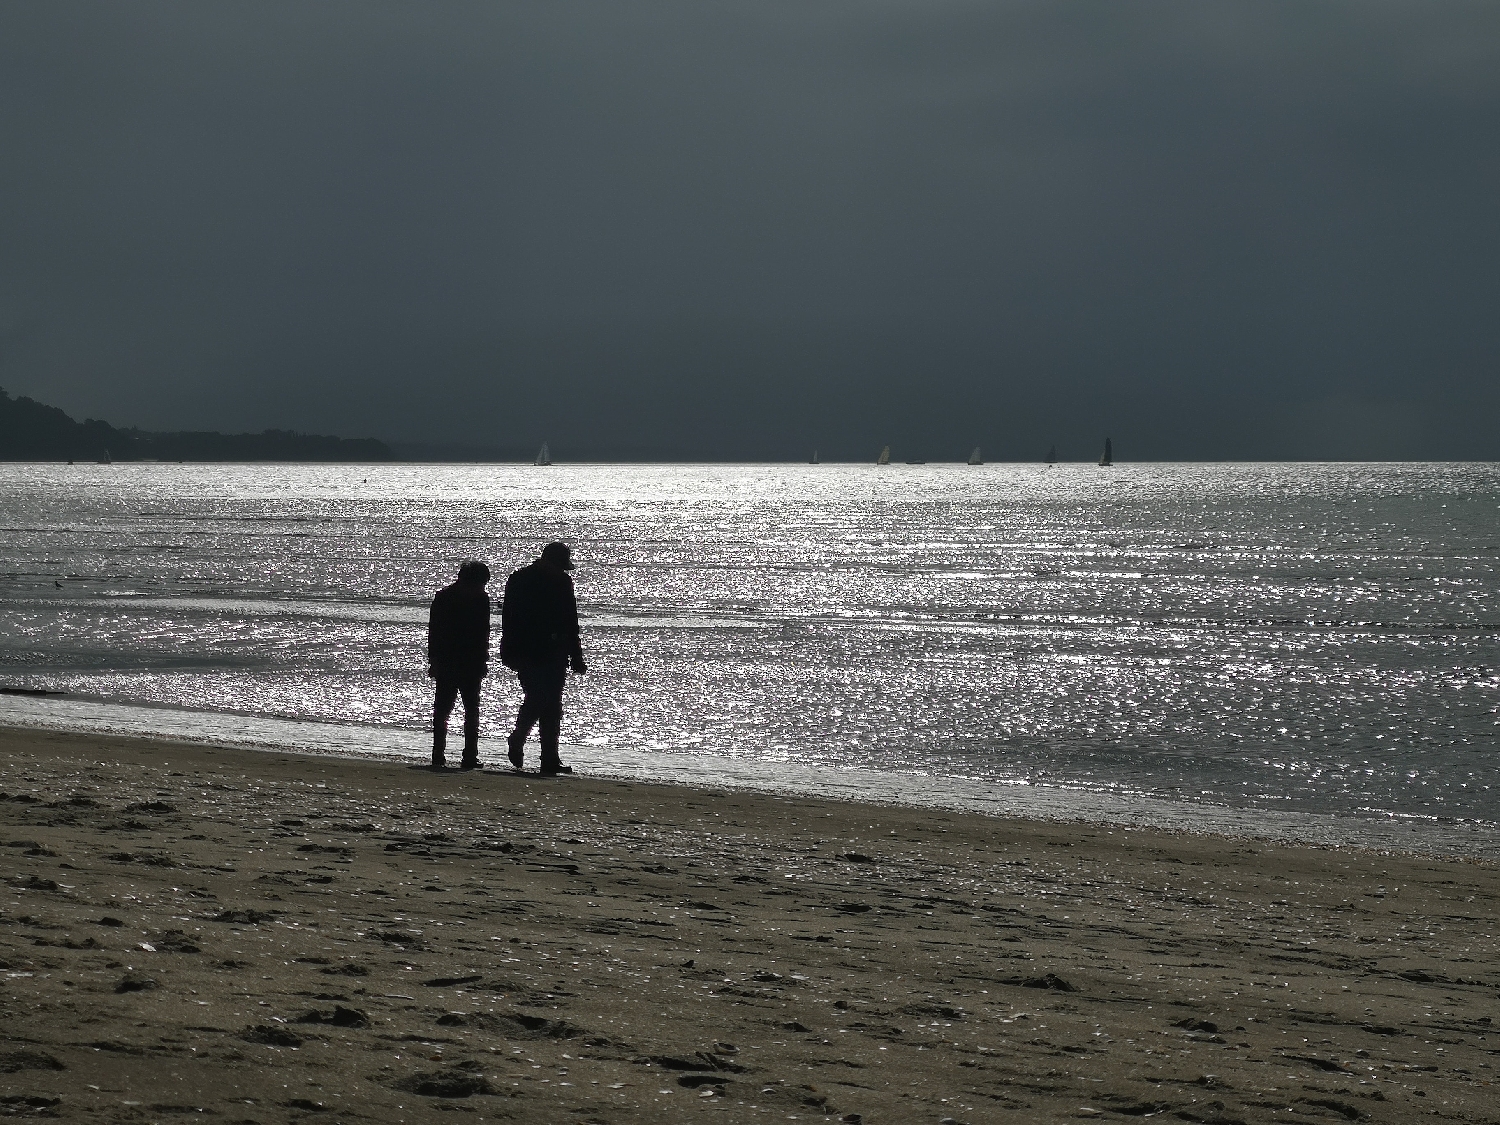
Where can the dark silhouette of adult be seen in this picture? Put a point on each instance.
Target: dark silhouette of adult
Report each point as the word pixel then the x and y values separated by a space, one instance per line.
pixel 539 641
pixel 458 654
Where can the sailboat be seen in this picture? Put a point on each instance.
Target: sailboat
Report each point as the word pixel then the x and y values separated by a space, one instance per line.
pixel 105 460
pixel 885 456
pixel 1051 457
pixel 974 458
pixel 814 460
pixel 543 457
pixel 1107 458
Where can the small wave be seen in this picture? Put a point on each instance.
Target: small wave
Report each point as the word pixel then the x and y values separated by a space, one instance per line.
pixel 247 607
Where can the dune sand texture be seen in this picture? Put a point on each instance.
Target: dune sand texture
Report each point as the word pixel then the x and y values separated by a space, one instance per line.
pixel 243 936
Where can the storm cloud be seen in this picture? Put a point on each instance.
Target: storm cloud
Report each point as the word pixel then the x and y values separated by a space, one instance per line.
pixel 1229 230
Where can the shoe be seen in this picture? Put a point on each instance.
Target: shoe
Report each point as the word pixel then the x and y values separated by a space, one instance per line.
pixel 555 769
pixel 439 764
pixel 517 753
pixel 471 764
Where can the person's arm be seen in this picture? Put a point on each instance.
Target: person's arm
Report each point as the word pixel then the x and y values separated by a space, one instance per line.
pixel 485 617
pixel 507 623
pixel 575 655
pixel 432 638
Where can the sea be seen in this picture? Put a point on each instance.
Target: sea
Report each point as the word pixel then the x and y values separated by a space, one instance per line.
pixel 1294 651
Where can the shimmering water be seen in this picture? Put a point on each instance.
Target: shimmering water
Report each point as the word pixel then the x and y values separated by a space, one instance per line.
pixel 1317 638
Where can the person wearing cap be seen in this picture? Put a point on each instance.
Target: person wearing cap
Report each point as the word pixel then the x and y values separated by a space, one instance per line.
pixel 539 641
pixel 458 653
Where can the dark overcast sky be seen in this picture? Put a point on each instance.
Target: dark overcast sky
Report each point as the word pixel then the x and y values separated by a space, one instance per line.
pixel 1217 230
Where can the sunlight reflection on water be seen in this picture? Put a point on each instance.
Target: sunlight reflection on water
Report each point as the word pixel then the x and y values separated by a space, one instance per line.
pixel 1313 637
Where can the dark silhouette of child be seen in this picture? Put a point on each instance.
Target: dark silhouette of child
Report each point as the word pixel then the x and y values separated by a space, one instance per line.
pixel 458 653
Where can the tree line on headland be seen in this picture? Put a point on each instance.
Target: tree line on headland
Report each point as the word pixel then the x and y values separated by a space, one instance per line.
pixel 33 431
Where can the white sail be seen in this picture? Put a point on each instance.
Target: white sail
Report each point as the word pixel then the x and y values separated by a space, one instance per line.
pixel 885 456
pixel 974 458
pixel 1107 458
pixel 814 460
pixel 543 457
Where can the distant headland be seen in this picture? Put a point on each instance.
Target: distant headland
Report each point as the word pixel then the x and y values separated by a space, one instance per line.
pixel 34 431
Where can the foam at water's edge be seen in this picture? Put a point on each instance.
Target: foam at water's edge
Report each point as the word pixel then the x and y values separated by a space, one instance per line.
pixel 708 771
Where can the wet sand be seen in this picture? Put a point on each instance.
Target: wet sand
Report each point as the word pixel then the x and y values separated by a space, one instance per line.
pixel 260 937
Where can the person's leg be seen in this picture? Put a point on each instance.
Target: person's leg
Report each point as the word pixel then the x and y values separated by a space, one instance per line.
pixel 526 715
pixel 550 690
pixel 470 691
pixel 442 706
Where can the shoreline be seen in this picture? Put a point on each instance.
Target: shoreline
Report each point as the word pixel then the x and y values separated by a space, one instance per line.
pixel 1405 835
pixel 281 937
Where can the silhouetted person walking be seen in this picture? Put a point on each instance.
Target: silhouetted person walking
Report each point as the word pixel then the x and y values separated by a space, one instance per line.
pixel 538 641
pixel 458 653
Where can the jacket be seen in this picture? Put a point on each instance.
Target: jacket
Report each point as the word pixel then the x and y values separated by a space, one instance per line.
pixel 458 630
pixel 539 618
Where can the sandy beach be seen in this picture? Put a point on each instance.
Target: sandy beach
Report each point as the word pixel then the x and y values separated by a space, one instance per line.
pixel 261 937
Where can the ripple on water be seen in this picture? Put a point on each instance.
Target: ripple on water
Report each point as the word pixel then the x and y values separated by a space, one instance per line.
pixel 1322 639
